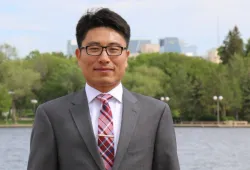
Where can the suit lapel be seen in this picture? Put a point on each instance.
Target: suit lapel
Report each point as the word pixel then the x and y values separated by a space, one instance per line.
pixel 129 119
pixel 81 117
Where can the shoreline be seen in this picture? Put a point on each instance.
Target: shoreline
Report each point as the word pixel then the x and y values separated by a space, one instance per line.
pixel 211 126
pixel 16 125
pixel 175 125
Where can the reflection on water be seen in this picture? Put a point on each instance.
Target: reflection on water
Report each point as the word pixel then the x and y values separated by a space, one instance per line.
pixel 198 148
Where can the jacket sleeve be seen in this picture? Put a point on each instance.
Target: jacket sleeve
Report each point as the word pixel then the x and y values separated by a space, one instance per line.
pixel 165 155
pixel 43 152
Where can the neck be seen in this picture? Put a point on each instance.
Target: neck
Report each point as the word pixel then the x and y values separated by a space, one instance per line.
pixel 104 88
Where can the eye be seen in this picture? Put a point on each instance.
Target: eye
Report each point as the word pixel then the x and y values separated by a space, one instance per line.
pixel 94 48
pixel 113 49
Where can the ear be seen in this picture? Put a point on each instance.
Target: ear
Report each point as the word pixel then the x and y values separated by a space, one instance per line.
pixel 127 56
pixel 78 53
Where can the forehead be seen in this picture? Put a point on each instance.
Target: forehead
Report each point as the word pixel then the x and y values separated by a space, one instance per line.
pixel 103 36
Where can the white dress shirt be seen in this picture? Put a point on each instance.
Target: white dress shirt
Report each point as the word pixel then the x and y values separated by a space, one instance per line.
pixel 115 104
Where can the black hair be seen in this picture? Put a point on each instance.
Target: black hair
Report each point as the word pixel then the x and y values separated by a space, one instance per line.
pixel 103 17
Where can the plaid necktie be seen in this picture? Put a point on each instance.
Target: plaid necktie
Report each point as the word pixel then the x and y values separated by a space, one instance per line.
pixel 106 132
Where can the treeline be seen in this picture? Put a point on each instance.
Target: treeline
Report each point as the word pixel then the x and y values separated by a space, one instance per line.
pixel 189 82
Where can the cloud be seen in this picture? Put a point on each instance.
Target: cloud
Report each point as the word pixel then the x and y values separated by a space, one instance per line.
pixel 49 24
pixel 13 22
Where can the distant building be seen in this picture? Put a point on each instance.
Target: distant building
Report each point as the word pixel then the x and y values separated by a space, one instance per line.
pixel 71 47
pixel 136 45
pixel 150 48
pixel 189 50
pixel 170 44
pixel 213 56
pixel 189 54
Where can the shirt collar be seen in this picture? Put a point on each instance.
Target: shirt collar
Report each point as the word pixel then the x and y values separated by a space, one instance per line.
pixel 115 92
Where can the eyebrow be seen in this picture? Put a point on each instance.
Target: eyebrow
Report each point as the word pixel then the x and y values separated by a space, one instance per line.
pixel 97 43
pixel 93 43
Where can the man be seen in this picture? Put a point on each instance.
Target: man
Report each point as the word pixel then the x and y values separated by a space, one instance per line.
pixel 104 126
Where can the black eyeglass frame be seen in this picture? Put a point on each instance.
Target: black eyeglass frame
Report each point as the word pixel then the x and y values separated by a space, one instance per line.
pixel 103 47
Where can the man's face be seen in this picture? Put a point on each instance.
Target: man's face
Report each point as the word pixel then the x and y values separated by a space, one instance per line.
pixel 102 71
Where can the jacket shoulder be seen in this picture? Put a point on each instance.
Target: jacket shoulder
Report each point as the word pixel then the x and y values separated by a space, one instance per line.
pixel 58 102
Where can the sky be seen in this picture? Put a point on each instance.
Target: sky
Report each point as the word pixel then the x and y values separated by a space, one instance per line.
pixel 46 25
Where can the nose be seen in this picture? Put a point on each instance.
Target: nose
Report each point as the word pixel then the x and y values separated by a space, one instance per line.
pixel 104 58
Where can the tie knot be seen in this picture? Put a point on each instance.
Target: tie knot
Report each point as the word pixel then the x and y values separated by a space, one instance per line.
pixel 104 97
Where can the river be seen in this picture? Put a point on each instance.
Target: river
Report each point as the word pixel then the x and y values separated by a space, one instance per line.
pixel 198 148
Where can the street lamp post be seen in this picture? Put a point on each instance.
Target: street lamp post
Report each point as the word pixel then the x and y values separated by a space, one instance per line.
pixel 165 99
pixel 34 102
pixel 218 98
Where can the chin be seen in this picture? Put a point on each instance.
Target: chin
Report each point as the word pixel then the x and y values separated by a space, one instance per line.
pixel 106 81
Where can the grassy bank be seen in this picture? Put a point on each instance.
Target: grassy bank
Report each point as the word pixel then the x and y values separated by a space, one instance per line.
pixel 19 122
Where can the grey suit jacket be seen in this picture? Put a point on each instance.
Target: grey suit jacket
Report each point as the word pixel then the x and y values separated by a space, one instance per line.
pixel 62 136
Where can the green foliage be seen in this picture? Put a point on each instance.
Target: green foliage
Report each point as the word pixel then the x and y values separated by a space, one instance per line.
pixel 245 112
pixel 2 57
pixel 176 113
pixel 227 118
pixel 59 75
pixel 8 51
pixel 189 82
pixel 208 117
pixel 233 44
pixel 145 80
pixel 5 99
pixel 19 79
pixel 22 122
pixel 247 48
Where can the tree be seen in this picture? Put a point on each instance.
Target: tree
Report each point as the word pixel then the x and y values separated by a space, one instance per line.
pixel 247 48
pixel 196 99
pixel 180 86
pixel 2 57
pixel 21 81
pixel 32 55
pixel 59 75
pixel 5 99
pixel 63 80
pixel 233 44
pixel 8 51
pixel 245 112
pixel 145 80
pixel 246 99
pixel 189 82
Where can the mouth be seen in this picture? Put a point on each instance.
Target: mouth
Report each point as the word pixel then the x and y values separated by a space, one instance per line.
pixel 103 69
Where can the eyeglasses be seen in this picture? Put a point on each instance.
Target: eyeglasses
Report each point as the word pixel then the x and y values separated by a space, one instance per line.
pixel 95 50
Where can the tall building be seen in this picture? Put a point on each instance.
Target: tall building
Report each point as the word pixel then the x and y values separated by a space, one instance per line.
pixel 71 47
pixel 170 44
